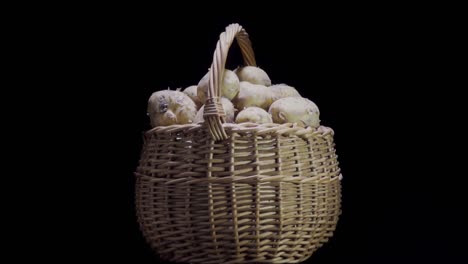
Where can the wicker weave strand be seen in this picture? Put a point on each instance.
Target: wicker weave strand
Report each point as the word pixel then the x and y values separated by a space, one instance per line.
pixel 214 113
pixel 218 192
pixel 268 194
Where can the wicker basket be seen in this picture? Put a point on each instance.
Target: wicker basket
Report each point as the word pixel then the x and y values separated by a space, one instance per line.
pixel 237 193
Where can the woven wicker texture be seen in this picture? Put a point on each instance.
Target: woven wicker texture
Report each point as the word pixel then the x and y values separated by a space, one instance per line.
pixel 265 193
pixel 214 113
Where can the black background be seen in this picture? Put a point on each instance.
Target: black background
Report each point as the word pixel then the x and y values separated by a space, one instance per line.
pixel 368 73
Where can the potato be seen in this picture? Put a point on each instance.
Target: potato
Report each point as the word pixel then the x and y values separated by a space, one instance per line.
pixel 254 115
pixel 168 107
pixel 252 95
pixel 229 87
pixel 253 75
pixel 228 109
pixel 279 91
pixel 295 110
pixel 191 91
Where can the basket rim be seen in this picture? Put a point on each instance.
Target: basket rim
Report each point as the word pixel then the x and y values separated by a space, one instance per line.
pixel 245 127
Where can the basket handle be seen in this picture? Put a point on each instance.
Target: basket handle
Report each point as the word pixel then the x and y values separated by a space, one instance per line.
pixel 214 114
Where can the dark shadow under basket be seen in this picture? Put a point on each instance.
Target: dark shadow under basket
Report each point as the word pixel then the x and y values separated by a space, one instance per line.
pixel 267 194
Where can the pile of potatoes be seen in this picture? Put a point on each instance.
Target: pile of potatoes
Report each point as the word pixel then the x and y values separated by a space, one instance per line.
pixel 247 96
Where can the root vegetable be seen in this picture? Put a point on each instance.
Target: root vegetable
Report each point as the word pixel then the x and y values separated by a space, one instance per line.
pixel 254 115
pixel 229 87
pixel 295 110
pixel 191 91
pixel 170 107
pixel 252 95
pixel 279 91
pixel 253 75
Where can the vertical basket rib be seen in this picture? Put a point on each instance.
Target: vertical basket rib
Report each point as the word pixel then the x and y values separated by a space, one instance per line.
pixel 237 193
pixel 264 195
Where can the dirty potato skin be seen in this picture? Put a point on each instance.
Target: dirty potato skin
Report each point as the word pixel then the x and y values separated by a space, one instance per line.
pixel 252 95
pixel 191 91
pixel 253 75
pixel 253 115
pixel 168 107
pixel 229 87
pixel 279 91
pixel 295 110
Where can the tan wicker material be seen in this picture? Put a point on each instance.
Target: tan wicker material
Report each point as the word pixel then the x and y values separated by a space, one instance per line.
pixel 214 113
pixel 265 193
